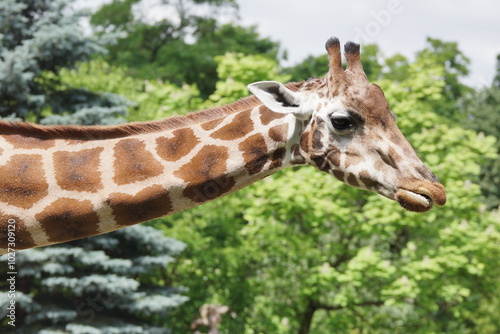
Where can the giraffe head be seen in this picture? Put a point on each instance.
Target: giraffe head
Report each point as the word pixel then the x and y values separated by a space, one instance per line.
pixel 350 132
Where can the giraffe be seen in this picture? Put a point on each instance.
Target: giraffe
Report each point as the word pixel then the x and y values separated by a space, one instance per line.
pixel 61 183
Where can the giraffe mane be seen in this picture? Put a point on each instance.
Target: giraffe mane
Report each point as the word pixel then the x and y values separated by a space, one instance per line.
pixel 100 132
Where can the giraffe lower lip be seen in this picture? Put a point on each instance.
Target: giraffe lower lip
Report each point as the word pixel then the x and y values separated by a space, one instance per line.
pixel 413 201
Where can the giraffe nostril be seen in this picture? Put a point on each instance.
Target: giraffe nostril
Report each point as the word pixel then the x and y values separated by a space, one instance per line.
pixel 426 173
pixel 387 159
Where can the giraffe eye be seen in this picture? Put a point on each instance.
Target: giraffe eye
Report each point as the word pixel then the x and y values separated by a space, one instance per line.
pixel 342 123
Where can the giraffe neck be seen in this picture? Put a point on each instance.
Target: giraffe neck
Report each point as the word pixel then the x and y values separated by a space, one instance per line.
pixel 57 190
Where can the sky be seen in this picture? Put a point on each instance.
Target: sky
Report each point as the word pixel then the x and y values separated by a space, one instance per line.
pixel 397 26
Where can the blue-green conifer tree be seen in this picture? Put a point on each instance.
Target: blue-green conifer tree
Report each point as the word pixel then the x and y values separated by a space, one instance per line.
pixel 113 283
pixel 37 39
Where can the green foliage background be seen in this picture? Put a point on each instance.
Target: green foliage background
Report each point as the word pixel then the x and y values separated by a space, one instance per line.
pixel 300 252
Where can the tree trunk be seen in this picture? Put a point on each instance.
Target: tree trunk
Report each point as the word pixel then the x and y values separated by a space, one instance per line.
pixel 305 324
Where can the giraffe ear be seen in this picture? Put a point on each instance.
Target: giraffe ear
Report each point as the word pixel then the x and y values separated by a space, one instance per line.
pixel 278 98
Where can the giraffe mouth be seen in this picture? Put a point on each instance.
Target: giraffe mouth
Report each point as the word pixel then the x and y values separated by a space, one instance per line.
pixel 419 201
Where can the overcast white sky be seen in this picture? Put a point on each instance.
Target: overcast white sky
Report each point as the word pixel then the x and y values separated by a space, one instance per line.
pixel 397 26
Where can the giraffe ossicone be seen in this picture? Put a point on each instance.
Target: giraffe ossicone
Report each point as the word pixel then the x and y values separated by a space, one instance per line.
pixel 60 183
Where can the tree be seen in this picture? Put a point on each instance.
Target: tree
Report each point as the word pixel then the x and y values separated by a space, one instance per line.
pixel 39 38
pixel 236 71
pixel 455 64
pixel 496 80
pixel 114 283
pixel 370 59
pixel 396 68
pixel 481 111
pixel 149 37
pixel 310 67
pixel 148 99
pixel 184 40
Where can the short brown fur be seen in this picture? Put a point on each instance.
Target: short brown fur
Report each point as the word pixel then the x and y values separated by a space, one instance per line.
pixel 133 162
pixel 69 219
pixel 22 181
pixel 75 170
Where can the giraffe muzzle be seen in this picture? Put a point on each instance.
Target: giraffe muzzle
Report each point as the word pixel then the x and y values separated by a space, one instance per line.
pixel 421 197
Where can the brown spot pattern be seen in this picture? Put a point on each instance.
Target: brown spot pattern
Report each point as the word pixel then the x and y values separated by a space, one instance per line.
pixel 22 237
pixel 338 174
pixel 353 158
pixel 23 142
pixel 305 140
pixel 150 203
pixel 205 174
pixel 364 176
pixel 239 127
pixel 78 171
pixel 267 116
pixel 69 219
pixel 133 162
pixel 351 179
pixel 279 133
pixel 22 181
pixel 394 156
pixel 332 155
pixel 321 163
pixel 317 143
pixel 207 126
pixel 172 149
pixel 277 158
pixel 394 137
pixel 255 153
pixel 319 127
